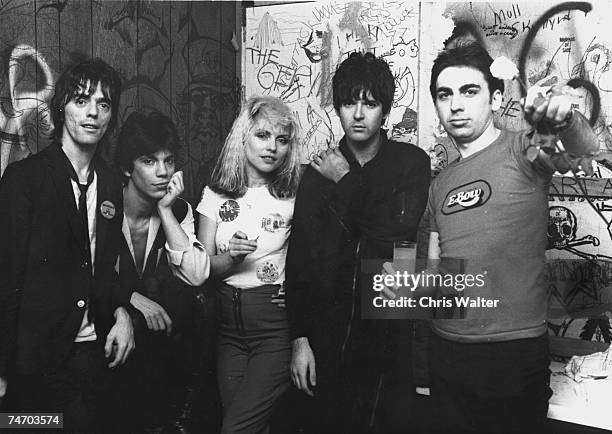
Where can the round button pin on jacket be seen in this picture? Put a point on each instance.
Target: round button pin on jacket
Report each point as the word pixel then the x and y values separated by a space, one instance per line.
pixel 107 209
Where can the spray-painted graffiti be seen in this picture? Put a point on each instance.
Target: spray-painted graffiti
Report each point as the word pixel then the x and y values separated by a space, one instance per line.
pixel 579 291
pixel 202 102
pixel 28 111
pixel 207 104
pixel 293 50
pixel 166 57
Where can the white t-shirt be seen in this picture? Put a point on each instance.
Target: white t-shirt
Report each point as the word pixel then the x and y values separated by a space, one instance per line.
pixel 260 216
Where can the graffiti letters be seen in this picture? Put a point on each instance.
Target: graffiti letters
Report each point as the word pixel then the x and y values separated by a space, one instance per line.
pixel 288 80
pixel 261 57
pixel 504 14
pixel 563 187
pixel 511 109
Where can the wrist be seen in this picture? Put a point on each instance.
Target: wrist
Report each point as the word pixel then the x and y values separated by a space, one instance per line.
pixel 232 260
pixel 341 175
pixel 121 313
pixel 565 122
pixel 299 342
pixel 163 208
pixel 135 296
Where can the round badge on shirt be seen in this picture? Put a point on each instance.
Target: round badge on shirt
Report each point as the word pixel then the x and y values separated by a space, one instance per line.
pixel 267 272
pixel 229 210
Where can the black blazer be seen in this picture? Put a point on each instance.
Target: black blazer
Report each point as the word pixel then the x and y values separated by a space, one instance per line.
pixel 44 273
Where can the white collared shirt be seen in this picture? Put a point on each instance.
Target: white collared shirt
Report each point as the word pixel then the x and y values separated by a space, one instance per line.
pixel 192 265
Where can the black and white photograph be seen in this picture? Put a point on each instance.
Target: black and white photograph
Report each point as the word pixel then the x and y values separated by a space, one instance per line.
pixel 304 217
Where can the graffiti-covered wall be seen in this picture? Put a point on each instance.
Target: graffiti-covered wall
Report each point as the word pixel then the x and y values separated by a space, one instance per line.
pixel 174 57
pixel 291 51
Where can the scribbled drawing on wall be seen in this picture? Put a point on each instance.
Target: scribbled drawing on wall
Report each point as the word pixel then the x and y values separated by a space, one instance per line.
pixel 203 103
pixel 267 33
pixel 207 104
pixel 406 129
pixel 576 284
pixel 316 128
pixel 560 52
pixel 28 112
pixel 606 208
pixel 153 51
pixel 562 228
pixel 598 328
pixel 579 269
pixel 595 67
pixel 579 292
pixel 313 46
pixel 297 65
pixel 438 156
pixel 405 88
pixel 155 46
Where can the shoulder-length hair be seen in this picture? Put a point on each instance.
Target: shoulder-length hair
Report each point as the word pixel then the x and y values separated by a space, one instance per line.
pixel 230 177
pixel 84 77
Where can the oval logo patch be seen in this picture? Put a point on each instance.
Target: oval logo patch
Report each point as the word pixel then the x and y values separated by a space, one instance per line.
pixel 467 196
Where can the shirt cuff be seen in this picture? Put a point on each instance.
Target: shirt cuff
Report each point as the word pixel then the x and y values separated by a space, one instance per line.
pixel 175 257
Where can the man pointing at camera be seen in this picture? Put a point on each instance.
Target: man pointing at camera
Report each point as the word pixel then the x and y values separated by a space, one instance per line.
pixel 488 211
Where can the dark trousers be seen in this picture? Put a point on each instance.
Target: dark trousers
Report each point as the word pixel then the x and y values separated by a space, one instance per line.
pixel 154 389
pixel 253 357
pixel 330 405
pixel 365 375
pixel 77 389
pixel 497 387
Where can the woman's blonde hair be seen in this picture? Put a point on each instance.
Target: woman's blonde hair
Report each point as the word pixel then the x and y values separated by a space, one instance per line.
pixel 230 176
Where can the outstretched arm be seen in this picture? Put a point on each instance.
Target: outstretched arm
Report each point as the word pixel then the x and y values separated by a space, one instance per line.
pixel 554 110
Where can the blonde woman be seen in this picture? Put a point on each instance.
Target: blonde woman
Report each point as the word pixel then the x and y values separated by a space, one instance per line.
pixel 245 221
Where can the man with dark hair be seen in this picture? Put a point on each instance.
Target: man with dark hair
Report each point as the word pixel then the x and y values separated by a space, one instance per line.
pixel 63 316
pixel 160 259
pixel 344 213
pixel 489 211
pixel 86 75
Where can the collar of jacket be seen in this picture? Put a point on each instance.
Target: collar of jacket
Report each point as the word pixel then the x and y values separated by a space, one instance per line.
pixel 350 157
